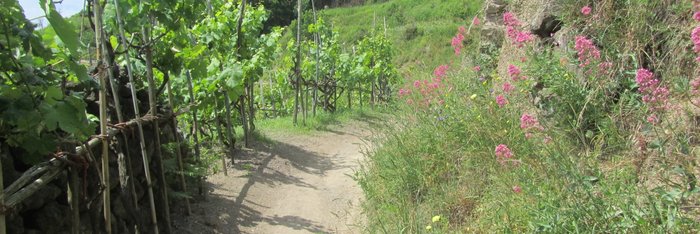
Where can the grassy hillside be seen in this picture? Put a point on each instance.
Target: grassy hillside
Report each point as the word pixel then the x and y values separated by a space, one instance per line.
pixel 421 30
pixel 598 134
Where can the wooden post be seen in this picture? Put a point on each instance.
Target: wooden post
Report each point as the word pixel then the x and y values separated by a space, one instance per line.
pixel 152 99
pixel 99 43
pixel 229 127
pixel 246 119
pixel 144 154
pixel 297 64
pixel 220 135
pixel 178 150
pixel 317 38
pixel 195 124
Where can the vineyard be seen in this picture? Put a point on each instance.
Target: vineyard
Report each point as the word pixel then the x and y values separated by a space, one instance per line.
pixel 452 116
pixel 118 103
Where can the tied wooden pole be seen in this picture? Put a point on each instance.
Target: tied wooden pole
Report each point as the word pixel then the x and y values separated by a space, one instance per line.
pixel 229 128
pixel 247 99
pixel 106 204
pixel 297 65
pixel 152 99
pixel 144 153
pixel 195 124
pixel 217 119
pixel 178 151
pixel 318 59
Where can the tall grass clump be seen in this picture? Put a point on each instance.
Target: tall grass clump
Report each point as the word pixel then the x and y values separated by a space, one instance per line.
pixel 583 138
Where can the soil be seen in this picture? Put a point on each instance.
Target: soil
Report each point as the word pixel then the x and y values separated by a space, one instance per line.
pixel 291 184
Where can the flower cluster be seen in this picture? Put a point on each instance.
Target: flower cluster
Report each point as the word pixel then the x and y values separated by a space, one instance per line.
pixel 530 124
pixel 695 37
pixel 586 51
pixel 518 37
pixel 458 42
pixel 501 101
pixel 507 87
pixel 424 93
pixel 476 21
pixel 695 86
pixel 440 71
pixel 514 72
pixel 586 10
pixel 654 95
pixel 503 153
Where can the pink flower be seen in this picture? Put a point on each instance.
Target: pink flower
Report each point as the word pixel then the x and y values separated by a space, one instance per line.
pixel 513 72
pixel 696 16
pixel 652 119
pixel 586 10
pixel 695 86
pixel 501 101
pixel 416 83
pixel 440 71
pixel 503 153
pixel 654 95
pixel 645 79
pixel 404 92
pixel 586 51
pixel 476 21
pixel 507 87
pixel 509 19
pixel 458 43
pixel 462 30
pixel 529 122
pixel 477 68
pixel 695 37
pixel 517 189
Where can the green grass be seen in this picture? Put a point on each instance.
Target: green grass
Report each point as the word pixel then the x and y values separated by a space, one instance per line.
pixel 436 23
pixel 323 121
pixel 440 160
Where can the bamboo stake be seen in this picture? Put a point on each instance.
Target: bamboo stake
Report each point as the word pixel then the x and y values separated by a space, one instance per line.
pixel 178 150
pixel 144 154
pixel 123 156
pixel 194 124
pixel 229 127
pixel 106 204
pixel 247 119
pixel 318 60
pixel 297 64
pixel 221 139
pixel 152 99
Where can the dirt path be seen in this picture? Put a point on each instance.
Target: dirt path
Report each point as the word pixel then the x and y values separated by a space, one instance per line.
pixel 296 184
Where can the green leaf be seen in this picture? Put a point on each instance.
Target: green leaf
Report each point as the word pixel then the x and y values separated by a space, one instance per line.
pixel 63 28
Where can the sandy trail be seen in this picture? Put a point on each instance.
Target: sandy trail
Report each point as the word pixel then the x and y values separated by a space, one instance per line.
pixel 296 184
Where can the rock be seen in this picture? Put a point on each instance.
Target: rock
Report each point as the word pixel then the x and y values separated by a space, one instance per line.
pixel 15 224
pixel 52 218
pixel 41 197
pixel 118 207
